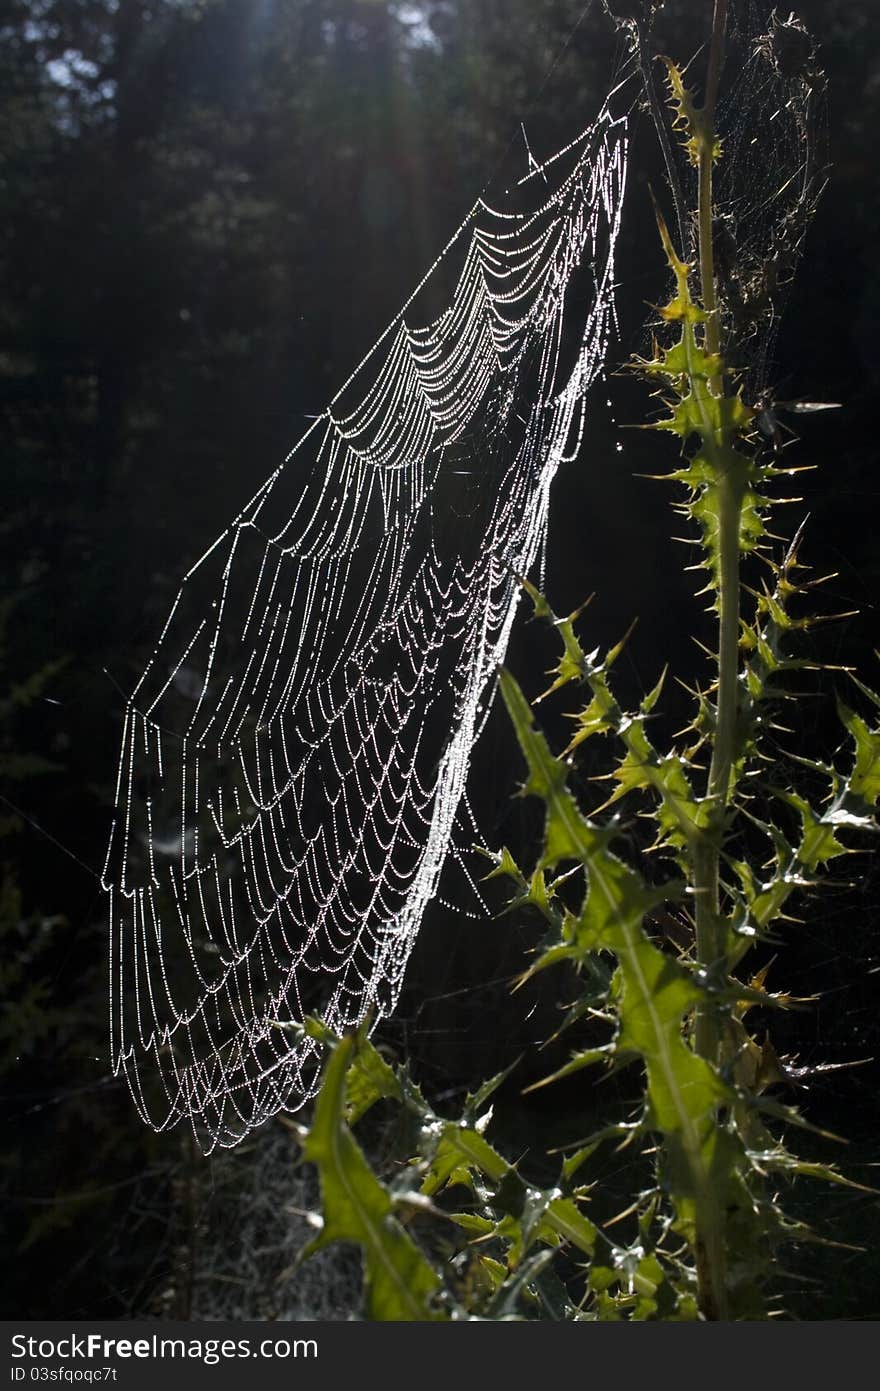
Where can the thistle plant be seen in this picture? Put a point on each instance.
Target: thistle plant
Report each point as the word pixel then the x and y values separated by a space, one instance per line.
pixel 731 848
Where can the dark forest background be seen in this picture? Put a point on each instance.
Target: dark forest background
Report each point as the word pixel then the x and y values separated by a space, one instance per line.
pixel 210 209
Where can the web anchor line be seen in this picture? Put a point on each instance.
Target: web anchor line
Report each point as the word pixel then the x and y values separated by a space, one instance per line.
pixel 294 757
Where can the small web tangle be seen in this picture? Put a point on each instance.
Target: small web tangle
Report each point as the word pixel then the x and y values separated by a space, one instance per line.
pixel 295 754
pixel 772 120
pixel 772 173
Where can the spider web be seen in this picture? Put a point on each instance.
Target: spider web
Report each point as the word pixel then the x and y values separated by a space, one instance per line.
pixel 294 756
pixel 772 121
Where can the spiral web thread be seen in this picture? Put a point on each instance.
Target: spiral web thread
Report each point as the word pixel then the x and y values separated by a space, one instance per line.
pixel 295 754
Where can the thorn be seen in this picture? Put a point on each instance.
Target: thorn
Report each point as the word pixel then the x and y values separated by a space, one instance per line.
pixel 691 691
pixel 573 617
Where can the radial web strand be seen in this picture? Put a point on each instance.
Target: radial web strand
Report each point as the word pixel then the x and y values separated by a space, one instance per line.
pixel 295 753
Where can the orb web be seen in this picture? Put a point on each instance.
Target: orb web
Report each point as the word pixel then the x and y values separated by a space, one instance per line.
pixel 295 754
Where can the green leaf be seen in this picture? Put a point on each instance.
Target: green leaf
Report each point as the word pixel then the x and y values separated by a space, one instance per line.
pixel 476 1101
pixel 370 1079
pixel 864 781
pixel 507 1299
pixel 504 865
pixel 683 1090
pixel 458 1150
pixel 529 1213
pixel 357 1207
pixel 624 1131
pixel 819 844
pixel 566 828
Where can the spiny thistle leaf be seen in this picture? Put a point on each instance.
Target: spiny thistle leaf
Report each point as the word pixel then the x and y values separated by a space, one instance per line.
pixel 819 843
pixel 700 139
pixel 357 1207
pixel 588 1058
pixel 510 1294
pixel 566 832
pixel 458 1151
pixel 461 1156
pixel 684 1091
pixel 681 816
pixel 864 781
pixel 370 1079
pixel 716 419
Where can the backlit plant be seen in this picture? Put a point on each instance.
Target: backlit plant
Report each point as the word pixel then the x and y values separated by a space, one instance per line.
pixel 734 840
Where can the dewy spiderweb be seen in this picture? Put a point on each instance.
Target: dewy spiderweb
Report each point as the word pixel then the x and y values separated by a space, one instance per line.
pixel 295 753
pixel 772 123
pixel 774 168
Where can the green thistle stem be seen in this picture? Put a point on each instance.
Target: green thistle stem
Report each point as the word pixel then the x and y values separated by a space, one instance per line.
pixel 711 1237
pixel 707 853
